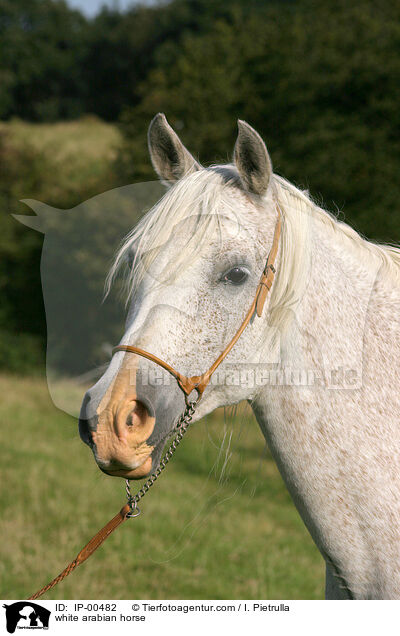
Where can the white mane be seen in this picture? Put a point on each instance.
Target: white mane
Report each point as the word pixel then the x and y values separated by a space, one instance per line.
pixel 389 255
pixel 197 198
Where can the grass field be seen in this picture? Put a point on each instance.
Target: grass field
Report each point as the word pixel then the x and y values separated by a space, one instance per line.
pixel 219 524
pixel 75 157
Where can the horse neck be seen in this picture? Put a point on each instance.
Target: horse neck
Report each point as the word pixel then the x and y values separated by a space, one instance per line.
pixel 323 349
pixel 326 332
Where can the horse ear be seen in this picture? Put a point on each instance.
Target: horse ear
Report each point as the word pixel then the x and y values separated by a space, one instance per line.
pixel 252 160
pixel 170 159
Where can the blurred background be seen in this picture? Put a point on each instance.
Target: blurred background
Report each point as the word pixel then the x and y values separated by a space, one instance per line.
pixel 79 83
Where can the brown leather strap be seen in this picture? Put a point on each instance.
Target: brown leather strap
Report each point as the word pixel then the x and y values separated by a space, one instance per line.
pixel 268 275
pixel 199 382
pixel 88 550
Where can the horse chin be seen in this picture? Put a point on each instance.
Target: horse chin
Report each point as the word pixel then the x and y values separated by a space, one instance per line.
pixel 136 473
pixel 146 468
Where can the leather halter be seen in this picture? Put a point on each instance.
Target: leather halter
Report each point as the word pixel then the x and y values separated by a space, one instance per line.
pixel 199 382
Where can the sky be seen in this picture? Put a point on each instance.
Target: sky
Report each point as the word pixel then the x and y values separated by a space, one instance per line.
pixel 91 7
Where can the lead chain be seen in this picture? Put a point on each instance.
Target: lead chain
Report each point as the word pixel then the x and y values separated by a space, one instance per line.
pixel 181 426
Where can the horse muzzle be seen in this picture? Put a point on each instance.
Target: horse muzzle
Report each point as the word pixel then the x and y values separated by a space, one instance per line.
pixel 118 436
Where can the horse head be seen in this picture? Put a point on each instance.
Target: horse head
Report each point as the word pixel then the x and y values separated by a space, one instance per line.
pixel 194 264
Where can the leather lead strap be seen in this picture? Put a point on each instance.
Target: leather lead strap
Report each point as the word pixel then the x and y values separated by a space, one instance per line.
pixel 87 551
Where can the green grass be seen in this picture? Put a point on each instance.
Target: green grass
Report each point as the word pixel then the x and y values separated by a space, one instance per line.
pixel 218 524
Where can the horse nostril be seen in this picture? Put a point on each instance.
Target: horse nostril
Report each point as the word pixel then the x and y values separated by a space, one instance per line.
pixel 139 410
pixel 131 417
pixel 138 413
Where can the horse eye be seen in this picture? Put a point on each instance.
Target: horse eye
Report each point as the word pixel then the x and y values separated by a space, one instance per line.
pixel 235 276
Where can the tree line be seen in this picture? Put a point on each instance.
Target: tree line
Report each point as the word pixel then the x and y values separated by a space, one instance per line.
pixel 55 63
pixel 320 81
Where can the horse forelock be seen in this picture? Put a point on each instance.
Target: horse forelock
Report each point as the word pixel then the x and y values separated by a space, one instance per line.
pixel 200 201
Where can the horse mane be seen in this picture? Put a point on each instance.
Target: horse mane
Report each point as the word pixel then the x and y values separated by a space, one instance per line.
pixel 196 200
pixel 389 255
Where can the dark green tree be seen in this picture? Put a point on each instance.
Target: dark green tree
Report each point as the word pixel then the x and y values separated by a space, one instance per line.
pixel 42 44
pixel 320 81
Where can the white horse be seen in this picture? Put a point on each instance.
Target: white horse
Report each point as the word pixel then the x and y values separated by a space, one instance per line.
pixel 319 366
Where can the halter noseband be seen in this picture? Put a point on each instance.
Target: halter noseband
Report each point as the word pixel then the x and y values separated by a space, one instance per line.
pixel 199 382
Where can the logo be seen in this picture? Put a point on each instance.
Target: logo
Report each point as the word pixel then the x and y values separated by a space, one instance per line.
pixel 26 615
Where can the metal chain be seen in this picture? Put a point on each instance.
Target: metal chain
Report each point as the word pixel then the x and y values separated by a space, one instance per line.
pixel 181 426
pixel 133 510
